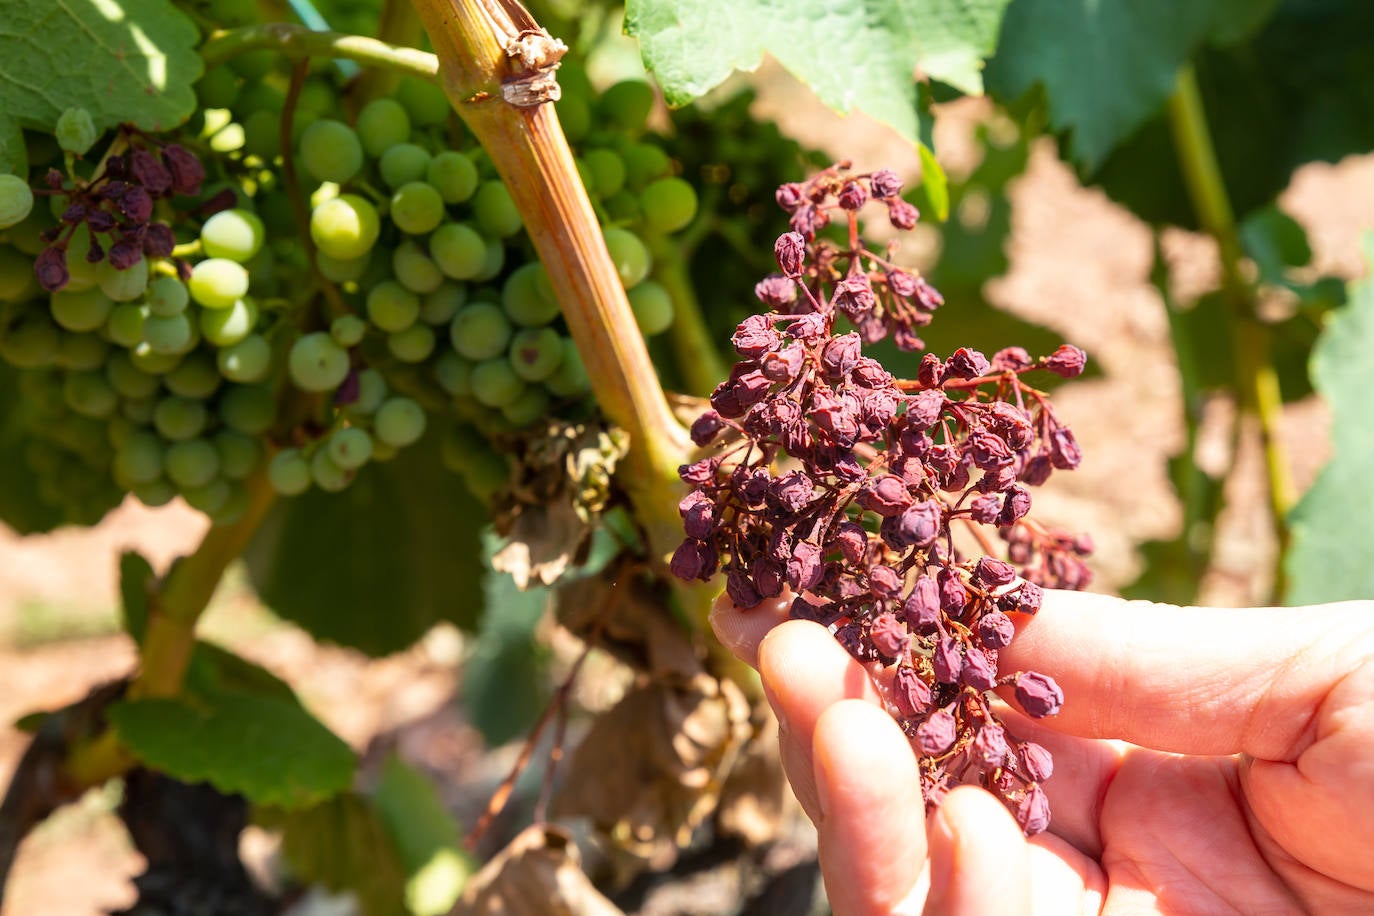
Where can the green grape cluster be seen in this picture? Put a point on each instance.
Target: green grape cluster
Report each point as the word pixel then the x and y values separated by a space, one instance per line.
pixel 409 301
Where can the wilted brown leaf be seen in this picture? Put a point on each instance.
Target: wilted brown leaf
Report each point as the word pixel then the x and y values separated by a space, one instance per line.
pixel 756 800
pixel 537 874
pixel 649 770
pixel 635 625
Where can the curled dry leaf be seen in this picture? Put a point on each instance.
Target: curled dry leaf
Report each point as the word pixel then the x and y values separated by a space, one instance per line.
pixel 755 802
pixel 649 771
pixel 635 625
pixel 538 874
pixel 561 483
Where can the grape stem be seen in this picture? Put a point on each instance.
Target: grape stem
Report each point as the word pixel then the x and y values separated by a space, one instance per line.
pixel 479 44
pixel 298 41
pixel 169 638
pixel 1257 382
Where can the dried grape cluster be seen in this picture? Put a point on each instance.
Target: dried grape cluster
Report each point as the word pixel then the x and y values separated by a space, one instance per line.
pixel 866 496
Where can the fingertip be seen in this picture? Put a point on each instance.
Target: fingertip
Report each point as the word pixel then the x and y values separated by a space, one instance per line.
pixel 872 827
pixel 741 630
pixel 979 858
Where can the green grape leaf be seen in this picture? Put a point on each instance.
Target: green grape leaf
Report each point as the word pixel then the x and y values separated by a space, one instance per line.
pixel 505 683
pixel 14 155
pixel 1300 89
pixel 1107 66
pixel 270 750
pixel 1331 546
pixel 852 53
pixel 216 671
pixel 934 183
pixel 136 581
pixel 134 60
pixel 1275 242
pixel 426 836
pixel 344 844
pixel 376 566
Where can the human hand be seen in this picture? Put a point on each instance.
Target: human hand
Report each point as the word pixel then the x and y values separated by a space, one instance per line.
pixel 1206 761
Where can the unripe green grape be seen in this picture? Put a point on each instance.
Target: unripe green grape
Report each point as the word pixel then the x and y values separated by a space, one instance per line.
pixel 155 493
pixel 345 227
pixel 16 200
pixel 493 261
pixel 168 335
pixel 495 384
pixel 371 392
pixel 403 164
pixel 349 448
pixel 643 163
pixel 209 498
pixel 347 330
pixel 217 88
pixel 607 171
pixel 622 207
pixel 81 311
pixel 532 404
pixel 262 135
pixel 535 353
pixel 495 210
pixel 486 474
pixel 383 452
pixel 81 272
pixel 631 258
pixel 138 410
pixel 250 409
pixel 118 431
pixel 523 297
pixel 414 269
pixel 316 362
pixel 167 296
pixel 233 234
pixel 127 379
pixel 82 352
pixel 218 283
pixel 154 361
pixel 412 345
pixel 254 65
pixel 226 327
pixel 75 131
pixel 626 105
pixel 382 124
pixel 570 379
pixel 392 307
pixel 453 175
pixel 17 283
pixel 458 250
pixel 139 460
pixel 228 139
pixel 453 373
pixel 247 361
pixel 652 306
pixel 327 474
pixel 195 378
pixel 423 101
pixel 123 285
pixel 178 419
pixel 27 234
pixel 575 116
pixel 125 324
pixel 669 204
pixel 337 271
pixel 191 463
pixel 331 151
pixel 416 208
pixel 440 305
pixel 89 394
pixel 480 331
pixel 399 422
pixel 288 472
pixel 231 509
pixel 238 454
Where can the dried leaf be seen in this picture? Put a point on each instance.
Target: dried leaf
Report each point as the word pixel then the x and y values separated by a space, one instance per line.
pixel 649 771
pixel 538 874
pixel 561 484
pixel 756 802
pixel 634 622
